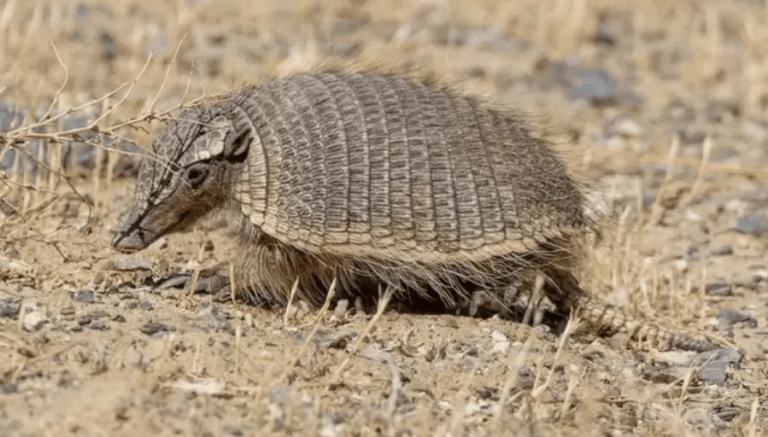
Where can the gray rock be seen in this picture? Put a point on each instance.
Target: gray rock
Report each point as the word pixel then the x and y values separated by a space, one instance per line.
pixel 145 305
pixel 156 329
pixel 755 223
pixel 10 307
pixel 97 325
pixel 718 289
pixel 714 369
pixel 34 319
pixel 727 413
pixel 728 318
pixel 84 296
pixel 213 318
pixel 9 388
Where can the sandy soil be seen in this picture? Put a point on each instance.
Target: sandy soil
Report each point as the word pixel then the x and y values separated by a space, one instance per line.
pixel 89 345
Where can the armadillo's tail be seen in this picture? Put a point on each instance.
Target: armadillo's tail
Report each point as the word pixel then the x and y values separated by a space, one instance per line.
pixel 600 318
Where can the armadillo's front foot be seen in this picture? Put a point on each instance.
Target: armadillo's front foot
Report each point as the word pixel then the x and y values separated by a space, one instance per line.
pixel 213 281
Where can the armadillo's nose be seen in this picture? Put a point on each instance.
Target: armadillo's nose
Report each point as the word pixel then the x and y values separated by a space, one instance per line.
pixel 131 238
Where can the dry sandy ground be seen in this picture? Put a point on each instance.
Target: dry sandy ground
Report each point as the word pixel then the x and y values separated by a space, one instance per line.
pixel 89 346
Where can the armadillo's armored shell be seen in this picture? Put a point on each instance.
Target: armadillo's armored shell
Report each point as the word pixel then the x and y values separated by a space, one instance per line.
pixel 384 168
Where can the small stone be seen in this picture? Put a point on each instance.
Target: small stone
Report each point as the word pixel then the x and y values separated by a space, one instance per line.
pixel 12 252
pixel 718 289
pixel 208 246
pixel 67 311
pixel 10 307
pixel 727 413
pixel 213 317
pixel 715 365
pixel 755 223
pixel 98 325
pixel 722 251
pixel 501 347
pixel 728 318
pixel 84 296
pixel 9 388
pixel 145 305
pixel 34 320
pixel 156 329
pixel 497 336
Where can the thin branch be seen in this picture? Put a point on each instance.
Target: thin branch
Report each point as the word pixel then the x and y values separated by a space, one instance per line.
pixel 63 85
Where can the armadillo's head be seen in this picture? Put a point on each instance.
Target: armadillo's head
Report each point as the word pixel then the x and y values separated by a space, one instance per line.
pixel 186 176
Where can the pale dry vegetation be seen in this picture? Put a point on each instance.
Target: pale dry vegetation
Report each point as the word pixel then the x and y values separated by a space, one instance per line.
pixel 673 170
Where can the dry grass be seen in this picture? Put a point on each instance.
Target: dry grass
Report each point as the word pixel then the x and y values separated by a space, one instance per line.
pixel 124 65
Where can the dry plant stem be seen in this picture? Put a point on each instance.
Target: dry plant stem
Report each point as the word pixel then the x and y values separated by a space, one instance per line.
pixel 513 374
pixel 699 181
pixel 537 391
pixel 573 381
pixel 382 305
pixel 238 338
pixel 315 327
pixel 196 273
pixel 290 302
pixel 232 285
pixel 63 84
pixel 459 404
pixel 151 106
pixel 394 391
pixel 753 417
pixel 759 173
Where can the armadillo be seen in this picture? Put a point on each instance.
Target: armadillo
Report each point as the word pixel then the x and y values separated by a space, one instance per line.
pixel 377 179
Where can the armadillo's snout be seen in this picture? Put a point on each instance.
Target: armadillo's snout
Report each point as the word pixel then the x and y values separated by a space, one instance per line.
pixel 131 237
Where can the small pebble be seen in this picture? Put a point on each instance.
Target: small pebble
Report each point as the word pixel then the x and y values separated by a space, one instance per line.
pixel 84 296
pixel 98 325
pixel 213 317
pixel 156 329
pixel 10 307
pixel 34 320
pixel 722 251
pixel 728 318
pixel 715 365
pixel 9 388
pixel 726 413
pixel 718 289
pixel 145 305
pixel 67 311
pixel 755 223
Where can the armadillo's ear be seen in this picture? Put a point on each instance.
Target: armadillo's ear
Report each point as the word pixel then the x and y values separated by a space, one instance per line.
pixel 236 146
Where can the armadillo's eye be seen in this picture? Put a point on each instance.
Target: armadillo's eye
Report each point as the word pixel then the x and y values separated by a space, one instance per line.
pixel 196 174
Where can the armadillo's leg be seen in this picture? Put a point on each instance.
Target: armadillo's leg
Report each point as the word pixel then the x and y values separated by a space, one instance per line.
pixel 600 318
